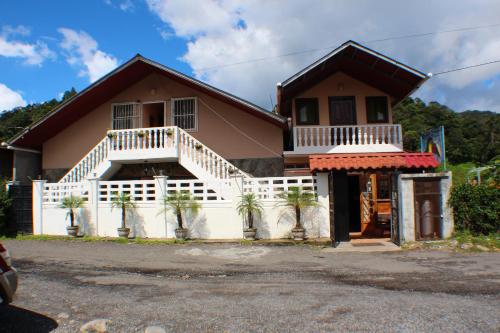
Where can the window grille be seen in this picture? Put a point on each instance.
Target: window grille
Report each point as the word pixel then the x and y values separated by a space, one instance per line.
pixel 184 113
pixel 126 116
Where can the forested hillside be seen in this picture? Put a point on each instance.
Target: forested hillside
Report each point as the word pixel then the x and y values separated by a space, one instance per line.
pixel 471 136
pixel 16 119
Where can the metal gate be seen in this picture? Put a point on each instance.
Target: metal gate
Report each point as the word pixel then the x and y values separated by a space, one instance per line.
pixel 427 208
pixel 21 209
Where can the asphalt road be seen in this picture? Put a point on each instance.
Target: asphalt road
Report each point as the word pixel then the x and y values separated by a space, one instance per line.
pixel 232 288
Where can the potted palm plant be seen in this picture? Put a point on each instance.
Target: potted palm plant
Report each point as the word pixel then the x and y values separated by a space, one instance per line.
pixel 248 207
pixel 180 202
pixel 124 202
pixel 297 199
pixel 71 203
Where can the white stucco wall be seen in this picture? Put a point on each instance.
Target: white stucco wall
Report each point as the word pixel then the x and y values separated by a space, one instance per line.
pixel 215 219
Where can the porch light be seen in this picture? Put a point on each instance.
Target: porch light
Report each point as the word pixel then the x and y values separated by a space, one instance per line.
pixel 340 87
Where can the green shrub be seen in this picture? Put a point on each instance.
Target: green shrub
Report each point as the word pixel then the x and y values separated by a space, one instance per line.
pixel 5 202
pixel 476 208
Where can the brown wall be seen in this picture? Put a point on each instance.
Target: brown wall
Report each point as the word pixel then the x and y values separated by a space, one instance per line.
pixel 66 148
pixel 331 87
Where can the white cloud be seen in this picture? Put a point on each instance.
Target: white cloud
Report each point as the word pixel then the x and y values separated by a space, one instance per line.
pixel 229 31
pixel 32 53
pixel 9 98
pixel 82 51
pixel 125 5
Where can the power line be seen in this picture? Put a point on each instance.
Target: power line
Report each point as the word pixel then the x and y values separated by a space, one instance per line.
pixel 466 67
pixel 365 42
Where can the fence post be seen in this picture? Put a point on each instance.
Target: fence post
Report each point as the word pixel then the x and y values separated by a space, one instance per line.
pixel 38 186
pixel 93 204
pixel 160 192
pixel 324 203
pixel 236 183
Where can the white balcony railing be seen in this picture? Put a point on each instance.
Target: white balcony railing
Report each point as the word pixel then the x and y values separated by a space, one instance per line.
pixel 347 139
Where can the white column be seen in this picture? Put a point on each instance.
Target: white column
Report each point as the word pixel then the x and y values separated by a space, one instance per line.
pixel 93 206
pixel 161 192
pixel 236 182
pixel 323 217
pixel 38 186
pixel 447 211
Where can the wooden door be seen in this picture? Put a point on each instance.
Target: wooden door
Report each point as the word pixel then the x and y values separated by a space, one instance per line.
pixel 342 111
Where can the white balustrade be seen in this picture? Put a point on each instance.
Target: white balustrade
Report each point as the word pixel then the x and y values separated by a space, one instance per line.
pixel 348 139
pixel 268 188
pixel 204 158
pixel 56 192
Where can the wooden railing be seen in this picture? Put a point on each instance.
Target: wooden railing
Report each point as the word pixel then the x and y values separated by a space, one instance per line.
pixel 346 139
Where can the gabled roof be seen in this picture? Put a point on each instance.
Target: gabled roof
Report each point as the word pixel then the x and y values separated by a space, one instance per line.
pixel 360 62
pixel 113 83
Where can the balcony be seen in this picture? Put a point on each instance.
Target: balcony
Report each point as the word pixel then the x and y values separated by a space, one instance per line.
pixel 346 139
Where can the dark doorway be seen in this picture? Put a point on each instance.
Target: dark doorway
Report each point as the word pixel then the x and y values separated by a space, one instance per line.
pixel 427 208
pixel 153 114
pixel 341 207
pixel 354 204
pixel 342 110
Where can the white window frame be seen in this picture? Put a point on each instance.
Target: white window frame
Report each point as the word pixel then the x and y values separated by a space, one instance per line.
pixel 139 106
pixel 172 112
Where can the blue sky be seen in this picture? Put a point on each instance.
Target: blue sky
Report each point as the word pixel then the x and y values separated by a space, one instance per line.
pixel 47 47
pixel 117 32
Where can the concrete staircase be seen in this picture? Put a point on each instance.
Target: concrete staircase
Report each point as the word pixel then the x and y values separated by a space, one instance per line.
pixel 151 144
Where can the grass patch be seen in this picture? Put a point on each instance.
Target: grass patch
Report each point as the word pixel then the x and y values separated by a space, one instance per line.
pixel 463 241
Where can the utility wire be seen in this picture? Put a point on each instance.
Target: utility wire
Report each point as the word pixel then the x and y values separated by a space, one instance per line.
pixel 365 42
pixel 466 67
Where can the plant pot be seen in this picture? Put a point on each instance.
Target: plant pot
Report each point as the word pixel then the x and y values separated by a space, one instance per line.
pixel 123 232
pixel 181 233
pixel 249 233
pixel 298 234
pixel 72 231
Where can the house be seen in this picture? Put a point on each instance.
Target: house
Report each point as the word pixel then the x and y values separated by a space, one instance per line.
pixel 145 128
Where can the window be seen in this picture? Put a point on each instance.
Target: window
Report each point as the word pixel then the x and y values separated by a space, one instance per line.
pixel 184 113
pixel 307 111
pixel 383 187
pixel 377 109
pixel 126 115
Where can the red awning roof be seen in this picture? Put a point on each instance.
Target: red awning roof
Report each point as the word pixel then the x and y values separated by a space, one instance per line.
pixel 402 160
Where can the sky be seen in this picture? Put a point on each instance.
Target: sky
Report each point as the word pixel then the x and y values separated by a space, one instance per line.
pixel 47 47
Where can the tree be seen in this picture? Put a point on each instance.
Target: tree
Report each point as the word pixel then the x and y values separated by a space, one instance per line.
pixel 296 199
pixel 248 206
pixel 71 203
pixel 15 120
pixel 124 202
pixel 180 202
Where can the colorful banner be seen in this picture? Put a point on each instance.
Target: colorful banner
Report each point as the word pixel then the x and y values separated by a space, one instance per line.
pixel 433 142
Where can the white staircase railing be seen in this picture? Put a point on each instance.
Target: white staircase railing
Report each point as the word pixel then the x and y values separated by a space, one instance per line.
pixel 88 163
pixel 136 143
pixel 193 153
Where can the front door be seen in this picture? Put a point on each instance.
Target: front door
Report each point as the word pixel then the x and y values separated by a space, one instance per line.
pixel 342 110
pixel 341 206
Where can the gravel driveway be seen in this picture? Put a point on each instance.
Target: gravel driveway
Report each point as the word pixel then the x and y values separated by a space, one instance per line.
pixel 233 288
